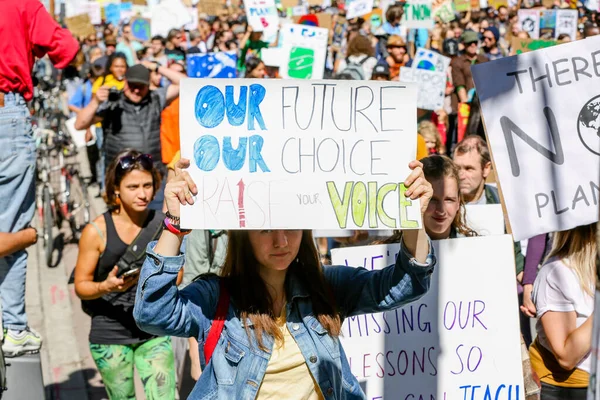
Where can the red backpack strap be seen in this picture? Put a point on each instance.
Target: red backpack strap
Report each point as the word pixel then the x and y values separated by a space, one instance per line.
pixel 218 322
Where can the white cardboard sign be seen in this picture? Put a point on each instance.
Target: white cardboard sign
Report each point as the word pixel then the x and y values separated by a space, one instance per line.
pixel 432 86
pixel 304 51
pixel 418 14
pixel 294 154
pixel 566 22
pixel 485 219
pixel 358 8
pixel 459 341
pixel 529 21
pixel 546 149
pixel 262 14
pixel 430 60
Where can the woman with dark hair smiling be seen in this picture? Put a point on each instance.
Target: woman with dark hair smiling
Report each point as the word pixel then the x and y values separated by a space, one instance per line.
pixel 269 324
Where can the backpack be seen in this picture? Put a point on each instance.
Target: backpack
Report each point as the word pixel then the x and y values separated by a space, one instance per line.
pixel 353 71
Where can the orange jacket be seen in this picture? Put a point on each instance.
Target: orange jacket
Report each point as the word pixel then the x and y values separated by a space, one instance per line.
pixel 169 132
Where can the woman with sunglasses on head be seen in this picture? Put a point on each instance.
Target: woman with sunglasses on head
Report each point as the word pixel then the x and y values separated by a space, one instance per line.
pixel 107 287
pixel 281 330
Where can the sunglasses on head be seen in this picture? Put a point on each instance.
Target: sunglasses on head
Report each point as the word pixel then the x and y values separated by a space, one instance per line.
pixel 126 163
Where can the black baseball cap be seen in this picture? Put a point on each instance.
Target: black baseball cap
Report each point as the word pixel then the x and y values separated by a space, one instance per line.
pixel 138 74
pixel 381 70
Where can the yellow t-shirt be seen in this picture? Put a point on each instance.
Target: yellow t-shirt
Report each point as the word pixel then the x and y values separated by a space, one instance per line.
pixel 287 371
pixel 109 81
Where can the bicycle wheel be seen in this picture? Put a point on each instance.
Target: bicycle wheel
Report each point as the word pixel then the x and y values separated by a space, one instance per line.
pixel 48 225
pixel 79 205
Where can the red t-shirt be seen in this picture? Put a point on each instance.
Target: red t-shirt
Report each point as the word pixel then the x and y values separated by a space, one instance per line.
pixel 27 31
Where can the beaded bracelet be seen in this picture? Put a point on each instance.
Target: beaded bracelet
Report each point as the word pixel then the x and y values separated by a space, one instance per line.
pixel 174 229
pixel 173 218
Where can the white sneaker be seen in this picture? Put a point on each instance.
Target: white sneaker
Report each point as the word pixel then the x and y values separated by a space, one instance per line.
pixel 17 343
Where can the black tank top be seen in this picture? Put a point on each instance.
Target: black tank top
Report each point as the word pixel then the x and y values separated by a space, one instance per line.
pixel 112 321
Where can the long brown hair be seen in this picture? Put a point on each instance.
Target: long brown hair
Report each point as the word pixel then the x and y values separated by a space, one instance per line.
pixel 250 295
pixel 577 249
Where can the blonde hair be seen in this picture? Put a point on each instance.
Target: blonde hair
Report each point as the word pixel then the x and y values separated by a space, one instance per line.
pixel 428 130
pixel 577 249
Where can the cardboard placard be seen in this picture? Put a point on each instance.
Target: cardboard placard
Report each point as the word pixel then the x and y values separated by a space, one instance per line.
pixel 462 5
pixel 461 340
pixel 546 149
pixel 444 10
pixel 262 15
pixel 418 14
pixel 358 8
pixel 430 60
pixel 211 7
pixel 529 21
pixel 304 51
pixel 212 65
pixel 520 46
pixel 250 144
pixel 141 29
pixel 80 25
pixel 432 87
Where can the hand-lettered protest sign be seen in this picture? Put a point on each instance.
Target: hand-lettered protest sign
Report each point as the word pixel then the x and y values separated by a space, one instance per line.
pixel 169 14
pixel 417 14
pixel 459 341
pixel 80 25
pixel 90 8
pixel 444 10
pixel 548 24
pixel 281 154
pixel 212 65
pixel 529 21
pixel 140 29
pixel 546 149
pixel 430 60
pixel 262 14
pixel 112 13
pixel 520 46
pixel 566 23
pixel 211 7
pixel 358 8
pixel 432 86
pixel 305 50
pixel 127 11
pixel 462 5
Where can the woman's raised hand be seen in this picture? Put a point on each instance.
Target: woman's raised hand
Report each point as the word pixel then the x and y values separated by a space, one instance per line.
pixel 417 186
pixel 180 189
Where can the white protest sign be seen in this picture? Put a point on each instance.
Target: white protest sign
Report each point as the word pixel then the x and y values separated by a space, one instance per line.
pixel 272 56
pixel 358 8
pixel 294 154
pixel 262 14
pixel 418 14
pixel 432 86
pixel 485 219
pixel 566 22
pixel 304 51
pixel 459 341
pixel 169 14
pixel 90 8
pixel 430 60
pixel 299 11
pixel 529 21
pixel 542 113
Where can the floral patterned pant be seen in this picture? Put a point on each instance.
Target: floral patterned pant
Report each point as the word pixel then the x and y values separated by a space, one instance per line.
pixel 153 360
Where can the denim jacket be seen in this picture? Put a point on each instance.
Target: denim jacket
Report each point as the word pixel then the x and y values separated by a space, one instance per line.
pixel 238 365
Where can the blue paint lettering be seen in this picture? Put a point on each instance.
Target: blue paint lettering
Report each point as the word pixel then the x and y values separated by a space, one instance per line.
pixel 211 106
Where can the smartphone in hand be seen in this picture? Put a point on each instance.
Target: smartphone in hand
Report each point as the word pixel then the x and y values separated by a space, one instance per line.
pixel 130 274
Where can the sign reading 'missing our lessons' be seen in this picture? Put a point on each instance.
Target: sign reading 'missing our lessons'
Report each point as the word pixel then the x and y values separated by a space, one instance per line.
pixel 546 149
pixel 459 341
pixel 299 154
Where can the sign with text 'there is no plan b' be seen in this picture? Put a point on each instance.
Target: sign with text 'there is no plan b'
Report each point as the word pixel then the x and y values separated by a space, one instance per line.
pixel 542 115
pixel 292 154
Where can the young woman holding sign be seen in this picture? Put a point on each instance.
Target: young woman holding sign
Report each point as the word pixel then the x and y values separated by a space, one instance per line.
pixel 563 294
pixel 274 315
pixel 444 217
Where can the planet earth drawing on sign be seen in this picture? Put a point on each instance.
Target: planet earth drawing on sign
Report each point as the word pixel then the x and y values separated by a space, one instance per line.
pixel 301 63
pixel 588 125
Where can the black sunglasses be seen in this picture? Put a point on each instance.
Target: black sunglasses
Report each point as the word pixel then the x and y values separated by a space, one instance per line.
pixel 126 163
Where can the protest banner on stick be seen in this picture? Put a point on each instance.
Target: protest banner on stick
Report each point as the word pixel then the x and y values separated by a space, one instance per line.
pixel 283 154
pixel 546 149
pixel 459 341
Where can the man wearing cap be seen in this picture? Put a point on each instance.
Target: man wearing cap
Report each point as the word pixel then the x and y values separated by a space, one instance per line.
pixel 132 118
pixel 381 72
pixel 398 56
pixel 462 79
pixel 27 31
pixel 490 44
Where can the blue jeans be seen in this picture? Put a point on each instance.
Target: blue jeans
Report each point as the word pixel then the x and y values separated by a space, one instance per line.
pixel 17 203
